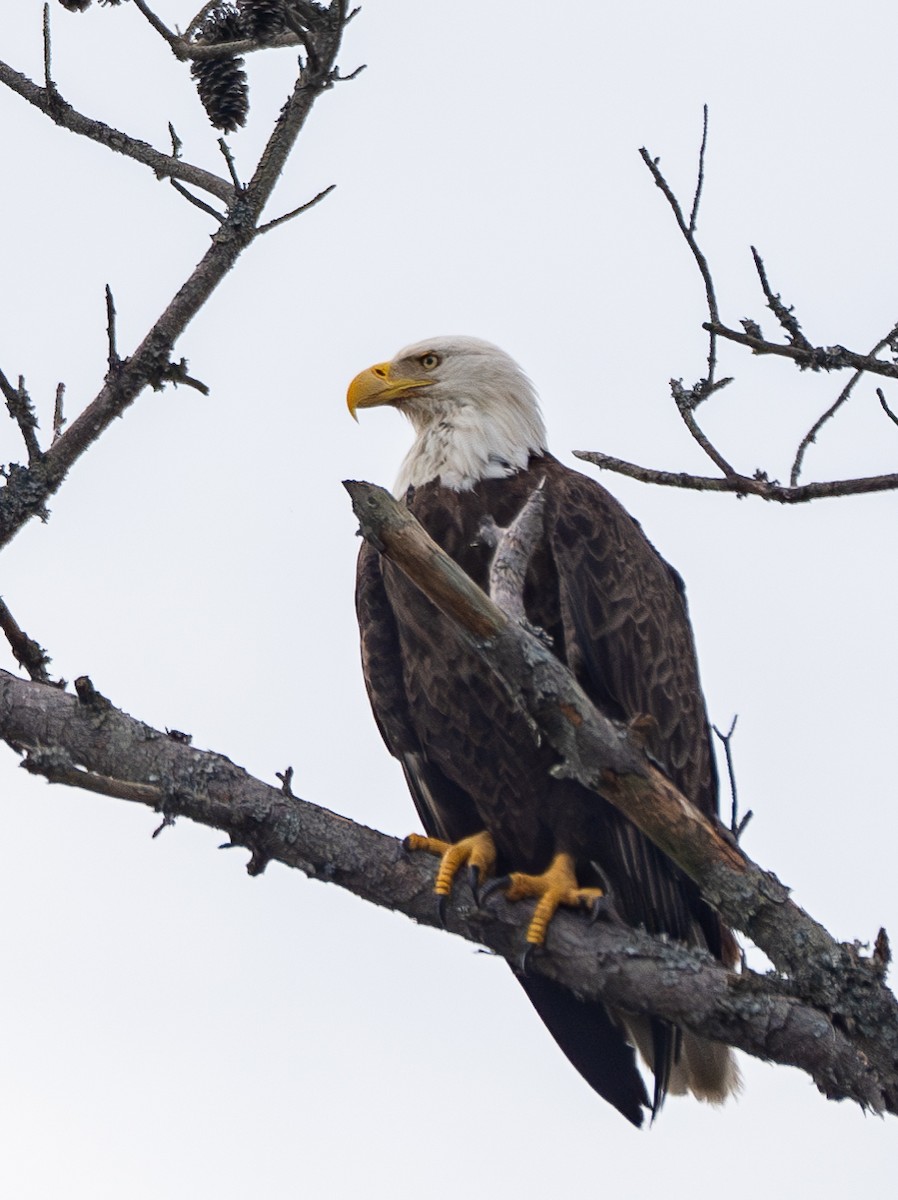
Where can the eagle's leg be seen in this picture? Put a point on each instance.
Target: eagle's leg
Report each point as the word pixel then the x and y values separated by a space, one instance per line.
pixel 478 851
pixel 556 886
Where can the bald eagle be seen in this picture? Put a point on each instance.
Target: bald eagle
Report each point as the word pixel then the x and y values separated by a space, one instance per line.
pixel 616 615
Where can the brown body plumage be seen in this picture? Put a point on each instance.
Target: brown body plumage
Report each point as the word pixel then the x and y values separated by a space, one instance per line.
pixel 616 614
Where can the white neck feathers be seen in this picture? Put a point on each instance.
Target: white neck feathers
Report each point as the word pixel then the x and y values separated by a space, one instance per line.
pixel 481 421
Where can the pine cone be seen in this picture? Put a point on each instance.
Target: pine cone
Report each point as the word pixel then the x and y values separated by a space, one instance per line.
pixel 221 82
pixel 261 19
pixel 75 5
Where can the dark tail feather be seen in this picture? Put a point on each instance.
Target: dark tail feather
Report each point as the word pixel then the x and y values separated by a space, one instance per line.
pixel 595 1045
pixel 665 1052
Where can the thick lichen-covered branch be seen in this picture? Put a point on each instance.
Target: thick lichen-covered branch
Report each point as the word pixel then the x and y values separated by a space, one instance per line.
pixel 83 741
pixel 602 755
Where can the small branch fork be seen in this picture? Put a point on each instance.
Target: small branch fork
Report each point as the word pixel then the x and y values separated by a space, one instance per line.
pixel 27 489
pixel 796 347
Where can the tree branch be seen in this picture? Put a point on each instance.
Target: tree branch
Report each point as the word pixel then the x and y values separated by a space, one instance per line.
pixel 164 166
pixel 86 742
pixel 808 357
pixel 27 490
pixel 798 348
pixel 599 754
pixel 743 485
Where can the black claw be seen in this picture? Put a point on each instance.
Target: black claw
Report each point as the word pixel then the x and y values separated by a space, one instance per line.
pixel 441 910
pixel 604 909
pixel 524 960
pixel 474 882
pixel 494 885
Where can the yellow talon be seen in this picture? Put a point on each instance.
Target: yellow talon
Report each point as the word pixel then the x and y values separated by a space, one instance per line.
pixel 478 851
pixel 556 886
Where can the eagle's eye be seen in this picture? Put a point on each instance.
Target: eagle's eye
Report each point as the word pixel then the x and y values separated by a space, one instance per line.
pixel 429 361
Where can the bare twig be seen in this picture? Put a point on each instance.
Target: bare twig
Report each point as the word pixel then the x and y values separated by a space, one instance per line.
pixel 813 358
pixel 783 314
pixel 158 24
pixel 736 826
pixel 48 77
pixel 266 228
pixel 22 412
pixel 27 652
pixel 700 176
pixel 686 401
pixel 743 485
pixel 354 74
pixel 165 166
pixel 811 436
pixel 113 355
pixel 58 417
pixel 229 159
pixel 687 231
pixel 197 202
pixel 885 407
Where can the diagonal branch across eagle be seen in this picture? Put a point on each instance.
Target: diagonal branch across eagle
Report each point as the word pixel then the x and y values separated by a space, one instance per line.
pixel 605 757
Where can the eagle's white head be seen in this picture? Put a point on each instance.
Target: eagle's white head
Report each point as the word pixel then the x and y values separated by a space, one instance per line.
pixel 475 412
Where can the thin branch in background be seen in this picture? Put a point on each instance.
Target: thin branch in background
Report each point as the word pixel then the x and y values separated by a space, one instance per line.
pixel 164 166
pixel 686 400
pixel 176 373
pixel 48 78
pixel 885 407
pixel 700 178
pixel 813 358
pixel 25 494
pixel 58 418
pixel 862 360
pixel 811 436
pixel 159 25
pixel 113 355
pixel 354 74
pixel 736 826
pixel 785 315
pixel 229 159
pixel 297 211
pixel 687 232
pixel 743 485
pixel 197 202
pixel 27 652
pixel 18 402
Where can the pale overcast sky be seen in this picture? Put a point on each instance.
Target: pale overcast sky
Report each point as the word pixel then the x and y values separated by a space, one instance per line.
pixel 170 1028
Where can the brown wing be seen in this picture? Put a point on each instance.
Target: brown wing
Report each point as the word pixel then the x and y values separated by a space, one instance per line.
pixel 617 615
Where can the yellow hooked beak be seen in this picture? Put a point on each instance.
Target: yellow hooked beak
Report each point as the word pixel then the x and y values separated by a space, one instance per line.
pixel 377 386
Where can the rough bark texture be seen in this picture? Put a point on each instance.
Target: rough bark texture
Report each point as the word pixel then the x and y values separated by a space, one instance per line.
pixel 86 742
pixel 603 756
